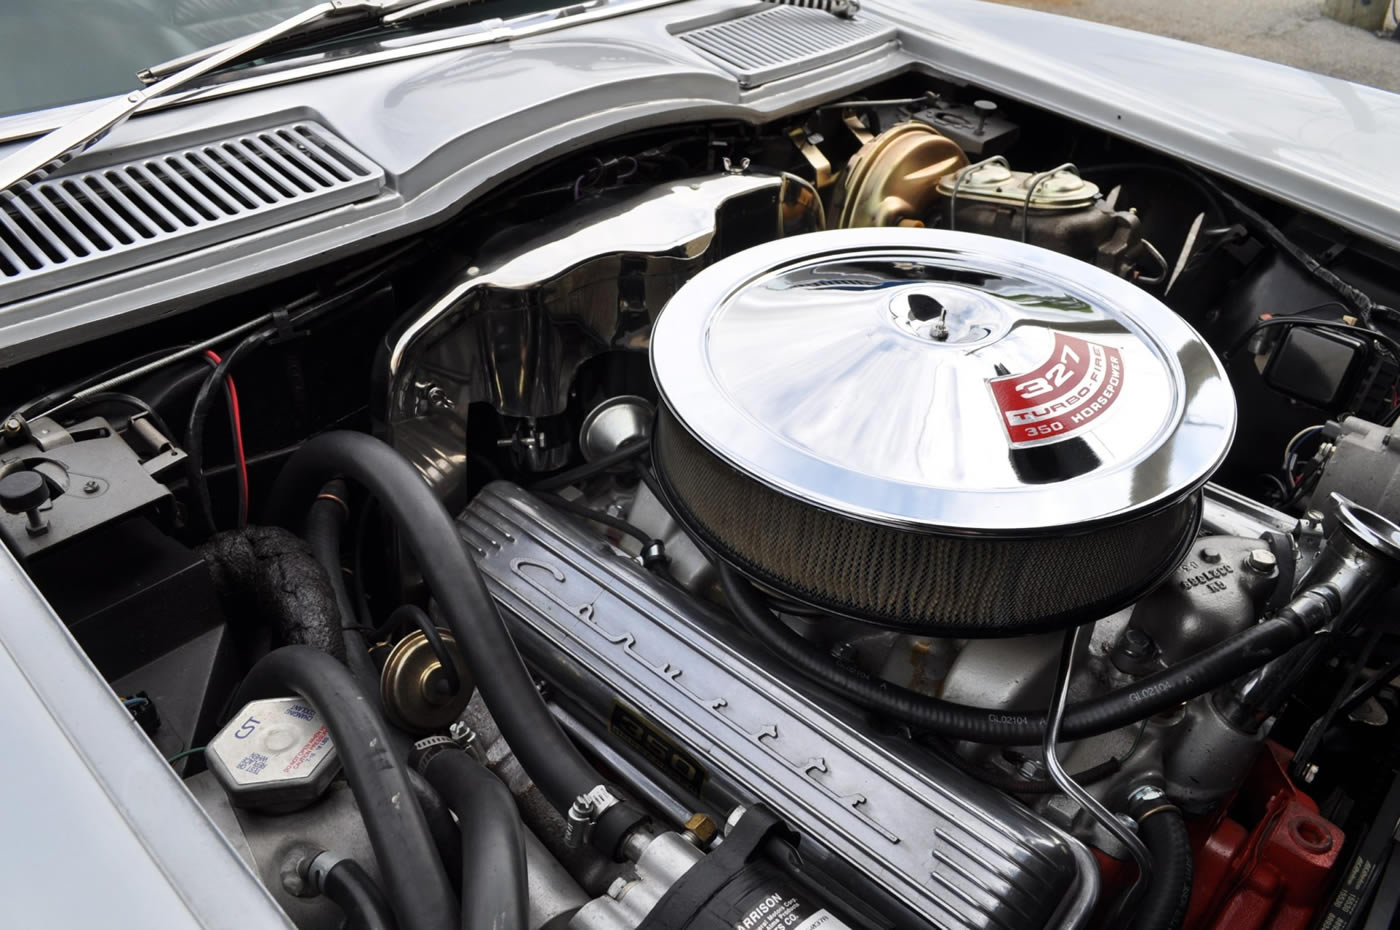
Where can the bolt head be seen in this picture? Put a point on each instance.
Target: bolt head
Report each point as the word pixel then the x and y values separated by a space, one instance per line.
pixel 616 889
pixel 1137 644
pixel 703 828
pixel 1211 555
pixel 1262 561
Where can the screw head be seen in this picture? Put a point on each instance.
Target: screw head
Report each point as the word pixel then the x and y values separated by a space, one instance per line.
pixel 91 487
pixel 1261 561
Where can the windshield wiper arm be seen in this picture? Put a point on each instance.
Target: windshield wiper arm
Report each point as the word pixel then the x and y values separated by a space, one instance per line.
pixel 50 152
pixel 389 12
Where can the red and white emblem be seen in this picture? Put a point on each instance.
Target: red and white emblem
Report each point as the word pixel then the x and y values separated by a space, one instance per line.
pixel 1070 390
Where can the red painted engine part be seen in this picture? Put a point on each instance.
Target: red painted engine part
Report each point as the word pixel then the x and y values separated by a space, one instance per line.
pixel 1271 876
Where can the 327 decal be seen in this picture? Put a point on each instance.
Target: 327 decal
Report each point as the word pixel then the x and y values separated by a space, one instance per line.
pixel 1071 389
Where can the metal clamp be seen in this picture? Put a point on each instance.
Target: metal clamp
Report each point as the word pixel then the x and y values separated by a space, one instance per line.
pixel 585 813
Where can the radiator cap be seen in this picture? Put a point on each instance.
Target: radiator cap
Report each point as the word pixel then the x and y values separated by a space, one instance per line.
pixel 275 755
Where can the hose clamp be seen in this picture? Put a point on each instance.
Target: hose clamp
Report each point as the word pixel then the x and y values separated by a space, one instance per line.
pixel 584 814
pixel 426 749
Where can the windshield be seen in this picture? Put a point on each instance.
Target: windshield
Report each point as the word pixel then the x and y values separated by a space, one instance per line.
pixel 58 52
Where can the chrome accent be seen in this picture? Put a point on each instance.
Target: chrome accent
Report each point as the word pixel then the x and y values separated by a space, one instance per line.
pixel 1367 527
pixel 596 278
pixel 117 215
pixel 804 365
pixel 603 630
pixel 614 423
pixel 783 41
pixel 1120 831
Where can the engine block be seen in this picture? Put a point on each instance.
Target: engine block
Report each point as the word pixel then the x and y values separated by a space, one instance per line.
pixel 608 635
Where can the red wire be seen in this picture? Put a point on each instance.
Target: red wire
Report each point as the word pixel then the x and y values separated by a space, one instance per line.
pixel 237 417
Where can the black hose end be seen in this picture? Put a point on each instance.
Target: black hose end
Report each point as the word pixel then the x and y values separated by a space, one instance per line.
pixel 1169 890
pixel 614 826
pixel 654 555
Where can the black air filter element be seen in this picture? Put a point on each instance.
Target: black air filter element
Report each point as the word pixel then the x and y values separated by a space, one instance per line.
pixel 936 431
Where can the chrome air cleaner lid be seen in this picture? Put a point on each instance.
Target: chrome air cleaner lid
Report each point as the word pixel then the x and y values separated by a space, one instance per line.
pixel 940 381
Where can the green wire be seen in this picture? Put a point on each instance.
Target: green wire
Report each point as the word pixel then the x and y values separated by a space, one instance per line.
pixel 188 752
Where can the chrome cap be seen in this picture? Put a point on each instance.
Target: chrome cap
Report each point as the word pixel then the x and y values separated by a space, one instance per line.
pixel 947 381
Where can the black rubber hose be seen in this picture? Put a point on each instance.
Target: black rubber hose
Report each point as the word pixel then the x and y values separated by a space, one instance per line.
pixel 587 470
pixel 324 523
pixel 199 413
pixel 414 877
pixel 1203 672
pixel 267 572
pixel 358 897
pixel 546 754
pixel 1168 894
pixel 441 826
pixel 597 516
pixel 494 889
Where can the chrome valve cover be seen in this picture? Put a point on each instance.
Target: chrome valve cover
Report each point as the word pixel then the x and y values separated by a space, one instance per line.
pixel 607 634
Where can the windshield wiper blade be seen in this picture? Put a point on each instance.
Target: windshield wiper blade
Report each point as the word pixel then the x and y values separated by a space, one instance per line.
pixel 50 152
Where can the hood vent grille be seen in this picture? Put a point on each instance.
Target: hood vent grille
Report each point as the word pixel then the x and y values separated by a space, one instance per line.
pixel 784 41
pixel 84 224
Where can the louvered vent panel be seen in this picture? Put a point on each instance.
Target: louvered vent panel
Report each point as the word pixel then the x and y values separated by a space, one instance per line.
pixel 82 225
pixel 784 41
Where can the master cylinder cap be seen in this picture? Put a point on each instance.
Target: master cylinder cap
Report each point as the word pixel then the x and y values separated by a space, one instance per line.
pixel 276 755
